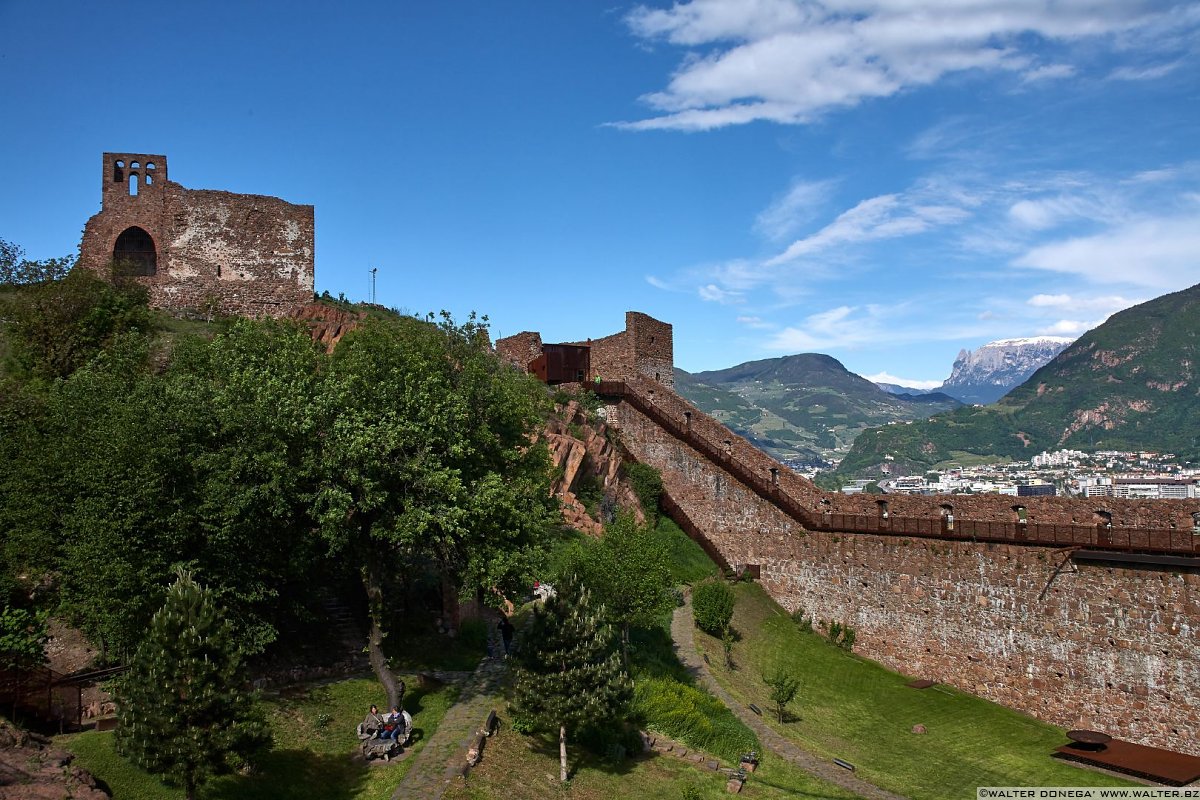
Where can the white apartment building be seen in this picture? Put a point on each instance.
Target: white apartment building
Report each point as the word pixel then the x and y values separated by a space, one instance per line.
pixel 1154 488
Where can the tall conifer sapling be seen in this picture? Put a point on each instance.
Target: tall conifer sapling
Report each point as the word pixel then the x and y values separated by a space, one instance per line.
pixel 183 714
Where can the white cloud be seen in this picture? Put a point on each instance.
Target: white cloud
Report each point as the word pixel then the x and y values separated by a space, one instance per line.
pixel 715 294
pixel 791 62
pixel 911 383
pixel 1158 253
pixel 843 326
pixel 1068 327
pixel 1048 72
pixel 1047 212
pixel 797 207
pixel 884 217
pixel 1065 302
pixel 1143 73
pixel 758 323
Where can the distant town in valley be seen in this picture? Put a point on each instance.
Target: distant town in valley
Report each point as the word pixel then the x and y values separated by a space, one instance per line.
pixel 1071 473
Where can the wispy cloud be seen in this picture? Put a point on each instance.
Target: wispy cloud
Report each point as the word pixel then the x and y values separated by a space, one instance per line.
pixel 1068 327
pixel 1048 72
pixel 884 217
pixel 1158 253
pixel 911 383
pixel 715 294
pixel 1145 73
pixel 757 323
pixel 797 207
pixel 790 62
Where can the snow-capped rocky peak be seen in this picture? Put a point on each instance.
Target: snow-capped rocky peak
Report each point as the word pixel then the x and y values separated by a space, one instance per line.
pixel 987 374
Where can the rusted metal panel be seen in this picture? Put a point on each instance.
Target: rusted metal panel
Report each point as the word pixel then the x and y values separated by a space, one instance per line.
pixel 567 363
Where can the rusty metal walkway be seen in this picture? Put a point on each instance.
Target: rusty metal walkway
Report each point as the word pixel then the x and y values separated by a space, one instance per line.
pixel 1153 763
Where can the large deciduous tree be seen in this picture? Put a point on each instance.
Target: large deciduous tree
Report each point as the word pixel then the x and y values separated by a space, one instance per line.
pixel 627 570
pixel 183 713
pixel 425 457
pixel 568 670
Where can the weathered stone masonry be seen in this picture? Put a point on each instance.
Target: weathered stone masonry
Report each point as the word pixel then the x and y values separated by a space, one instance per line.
pixel 1073 643
pixel 243 254
pixel 1076 642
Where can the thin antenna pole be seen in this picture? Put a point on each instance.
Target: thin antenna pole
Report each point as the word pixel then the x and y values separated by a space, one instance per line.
pixel 373 271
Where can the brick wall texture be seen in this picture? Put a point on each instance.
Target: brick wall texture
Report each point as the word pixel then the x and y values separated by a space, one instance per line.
pixel 242 254
pixel 1109 647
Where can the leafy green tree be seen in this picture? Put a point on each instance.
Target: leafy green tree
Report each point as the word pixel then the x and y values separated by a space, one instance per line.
pixel 627 570
pixel 183 714
pixel 568 672
pixel 23 638
pixel 16 270
pixel 56 326
pixel 425 457
pixel 784 687
pixel 712 606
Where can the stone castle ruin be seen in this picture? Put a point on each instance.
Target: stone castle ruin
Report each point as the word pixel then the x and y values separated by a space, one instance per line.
pixel 644 349
pixel 199 249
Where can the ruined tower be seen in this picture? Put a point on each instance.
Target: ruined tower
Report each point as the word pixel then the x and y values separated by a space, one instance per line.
pixel 201 249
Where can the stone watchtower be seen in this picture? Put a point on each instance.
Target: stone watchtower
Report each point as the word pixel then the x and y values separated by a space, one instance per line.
pixel 244 254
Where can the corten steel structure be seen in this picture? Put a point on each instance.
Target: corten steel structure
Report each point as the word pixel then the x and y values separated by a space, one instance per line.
pixel 200 249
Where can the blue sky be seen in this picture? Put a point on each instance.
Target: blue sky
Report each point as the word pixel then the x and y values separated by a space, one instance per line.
pixel 886 181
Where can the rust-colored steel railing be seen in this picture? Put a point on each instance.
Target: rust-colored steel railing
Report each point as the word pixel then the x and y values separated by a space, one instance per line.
pixel 1101 537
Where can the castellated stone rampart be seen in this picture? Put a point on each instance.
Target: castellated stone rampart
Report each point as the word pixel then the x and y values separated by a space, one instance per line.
pixel 1111 646
pixel 199 249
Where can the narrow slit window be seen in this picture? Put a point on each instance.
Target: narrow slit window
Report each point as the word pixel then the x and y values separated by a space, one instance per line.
pixel 133 185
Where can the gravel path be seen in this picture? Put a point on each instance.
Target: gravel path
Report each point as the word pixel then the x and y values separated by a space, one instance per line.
pixel 444 755
pixel 685 647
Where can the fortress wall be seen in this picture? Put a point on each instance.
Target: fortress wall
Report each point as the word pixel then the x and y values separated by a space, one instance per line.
pixel 1071 643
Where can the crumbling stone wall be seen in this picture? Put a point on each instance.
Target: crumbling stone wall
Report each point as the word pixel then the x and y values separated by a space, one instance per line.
pixel 231 253
pixel 644 349
pixel 1076 644
pixel 521 349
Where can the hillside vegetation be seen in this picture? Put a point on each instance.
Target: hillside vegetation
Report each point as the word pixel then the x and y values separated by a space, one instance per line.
pixel 1129 384
pixel 805 407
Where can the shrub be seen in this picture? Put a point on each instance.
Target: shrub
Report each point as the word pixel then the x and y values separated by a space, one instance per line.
pixel 712 605
pixel 692 717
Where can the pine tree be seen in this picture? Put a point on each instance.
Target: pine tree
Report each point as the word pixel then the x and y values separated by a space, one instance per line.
pixel 183 714
pixel 568 670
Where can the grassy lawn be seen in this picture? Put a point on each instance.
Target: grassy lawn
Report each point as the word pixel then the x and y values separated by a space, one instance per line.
pixel 309 760
pixel 688 562
pixel 854 709
pixel 517 767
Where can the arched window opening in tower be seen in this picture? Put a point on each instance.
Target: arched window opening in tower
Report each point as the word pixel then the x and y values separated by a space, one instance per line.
pixel 134 253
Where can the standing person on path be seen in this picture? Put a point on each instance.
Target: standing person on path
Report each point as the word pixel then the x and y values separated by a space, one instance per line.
pixel 506 633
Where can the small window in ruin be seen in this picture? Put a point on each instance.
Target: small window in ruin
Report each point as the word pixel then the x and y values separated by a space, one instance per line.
pixel 1022 515
pixel 134 253
pixel 657 377
pixel 149 179
pixel 149 165
pixel 120 163
pixel 1196 522
pixel 1103 518
pixel 883 508
pixel 133 185
pixel 134 165
pixel 218 270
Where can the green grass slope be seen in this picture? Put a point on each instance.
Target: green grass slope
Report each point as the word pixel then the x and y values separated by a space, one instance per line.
pixel 1129 384
pixel 854 709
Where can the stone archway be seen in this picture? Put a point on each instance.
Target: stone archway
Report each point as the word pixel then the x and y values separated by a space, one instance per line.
pixel 134 254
